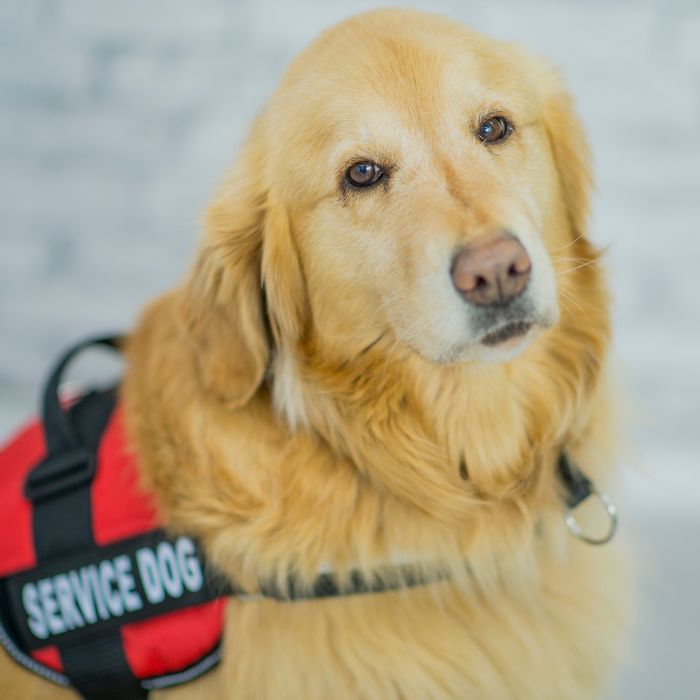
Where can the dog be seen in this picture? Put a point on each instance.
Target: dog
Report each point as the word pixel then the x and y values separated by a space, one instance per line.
pixel 394 326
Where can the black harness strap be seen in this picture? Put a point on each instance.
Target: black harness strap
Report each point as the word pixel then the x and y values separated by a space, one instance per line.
pixel 578 486
pixel 59 489
pixel 327 585
pixel 60 484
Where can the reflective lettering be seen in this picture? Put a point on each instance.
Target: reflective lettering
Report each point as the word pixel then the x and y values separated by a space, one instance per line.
pixel 48 602
pixel 66 602
pixel 35 617
pixel 91 572
pixel 148 572
pixel 125 580
pixel 83 595
pixel 108 579
pixel 189 564
pixel 168 569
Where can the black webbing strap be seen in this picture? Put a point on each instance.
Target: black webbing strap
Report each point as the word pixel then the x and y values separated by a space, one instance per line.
pixel 59 489
pixel 327 585
pixel 98 669
pixel 578 486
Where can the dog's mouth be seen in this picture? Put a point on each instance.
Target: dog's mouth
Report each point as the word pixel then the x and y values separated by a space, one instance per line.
pixel 510 331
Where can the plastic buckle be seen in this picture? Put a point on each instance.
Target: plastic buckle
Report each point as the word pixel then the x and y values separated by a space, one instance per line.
pixel 60 472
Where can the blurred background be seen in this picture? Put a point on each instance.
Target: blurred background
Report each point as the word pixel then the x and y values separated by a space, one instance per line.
pixel 117 120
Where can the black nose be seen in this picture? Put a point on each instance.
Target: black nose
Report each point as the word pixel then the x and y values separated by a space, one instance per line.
pixel 491 270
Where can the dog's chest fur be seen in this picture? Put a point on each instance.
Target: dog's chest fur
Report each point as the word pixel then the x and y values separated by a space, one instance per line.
pixel 556 641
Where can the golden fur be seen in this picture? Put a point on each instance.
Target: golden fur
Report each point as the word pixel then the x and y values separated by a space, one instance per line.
pixel 295 428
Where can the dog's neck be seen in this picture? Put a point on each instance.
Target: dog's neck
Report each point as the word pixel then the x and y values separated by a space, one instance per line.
pixel 376 460
pixel 446 439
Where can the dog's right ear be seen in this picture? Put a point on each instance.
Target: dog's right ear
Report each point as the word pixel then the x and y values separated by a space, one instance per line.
pixel 221 303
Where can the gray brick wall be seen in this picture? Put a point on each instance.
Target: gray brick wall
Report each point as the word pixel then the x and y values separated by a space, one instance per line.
pixel 118 118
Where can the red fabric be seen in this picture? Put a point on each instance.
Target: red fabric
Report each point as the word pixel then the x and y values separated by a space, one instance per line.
pixel 17 458
pixel 191 633
pixel 120 507
pixel 49 656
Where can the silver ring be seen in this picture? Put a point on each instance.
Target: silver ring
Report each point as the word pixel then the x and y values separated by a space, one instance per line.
pixel 610 509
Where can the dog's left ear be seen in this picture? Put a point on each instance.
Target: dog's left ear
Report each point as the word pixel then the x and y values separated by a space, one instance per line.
pixel 222 306
pixel 246 282
pixel 569 147
pixel 283 278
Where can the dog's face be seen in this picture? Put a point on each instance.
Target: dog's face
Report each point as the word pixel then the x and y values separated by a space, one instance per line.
pixel 420 169
pixel 420 179
pixel 433 214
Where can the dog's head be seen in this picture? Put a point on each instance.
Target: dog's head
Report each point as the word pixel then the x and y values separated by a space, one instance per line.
pixel 409 179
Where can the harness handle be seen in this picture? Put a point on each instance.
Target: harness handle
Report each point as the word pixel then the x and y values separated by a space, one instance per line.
pixel 69 464
pixel 57 428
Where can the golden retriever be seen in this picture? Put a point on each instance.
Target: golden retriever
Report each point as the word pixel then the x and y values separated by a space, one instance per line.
pixel 394 326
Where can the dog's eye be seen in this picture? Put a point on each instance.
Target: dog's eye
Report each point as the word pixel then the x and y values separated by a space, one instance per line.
pixel 363 174
pixel 494 129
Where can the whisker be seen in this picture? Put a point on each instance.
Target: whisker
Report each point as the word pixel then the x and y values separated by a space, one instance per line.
pixel 563 247
pixel 564 257
pixel 587 263
pixel 566 297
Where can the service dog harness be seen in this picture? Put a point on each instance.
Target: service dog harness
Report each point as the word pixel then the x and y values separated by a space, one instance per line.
pixel 94 593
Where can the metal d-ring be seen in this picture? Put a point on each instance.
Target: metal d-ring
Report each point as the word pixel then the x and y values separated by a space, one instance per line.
pixel 611 510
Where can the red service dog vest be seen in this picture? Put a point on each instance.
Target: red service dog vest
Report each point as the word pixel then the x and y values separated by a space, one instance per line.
pixel 93 593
